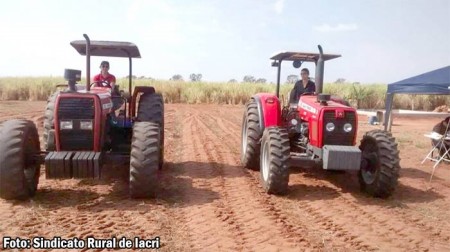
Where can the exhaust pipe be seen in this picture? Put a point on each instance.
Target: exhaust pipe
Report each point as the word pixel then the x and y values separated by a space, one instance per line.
pixel 88 62
pixel 319 71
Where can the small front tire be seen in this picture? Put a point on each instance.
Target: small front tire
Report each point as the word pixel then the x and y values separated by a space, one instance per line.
pixel 275 155
pixel 380 164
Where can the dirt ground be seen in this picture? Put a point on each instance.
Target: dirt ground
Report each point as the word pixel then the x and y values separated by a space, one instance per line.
pixel 208 202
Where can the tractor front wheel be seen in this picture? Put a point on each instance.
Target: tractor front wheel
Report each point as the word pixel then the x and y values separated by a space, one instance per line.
pixel 380 164
pixel 144 159
pixel 19 166
pixel 275 153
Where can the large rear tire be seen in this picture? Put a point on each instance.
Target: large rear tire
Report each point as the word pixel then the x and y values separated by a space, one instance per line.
pixel 144 159
pixel 275 154
pixel 151 109
pixel 380 164
pixel 48 138
pixel 250 137
pixel 19 168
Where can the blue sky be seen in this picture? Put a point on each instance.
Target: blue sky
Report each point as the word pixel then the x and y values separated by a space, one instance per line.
pixel 380 40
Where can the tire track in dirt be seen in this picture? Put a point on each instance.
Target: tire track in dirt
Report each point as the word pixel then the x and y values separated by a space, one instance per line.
pixel 389 220
pixel 294 227
pixel 173 183
pixel 201 203
pixel 359 226
pixel 418 234
pixel 364 220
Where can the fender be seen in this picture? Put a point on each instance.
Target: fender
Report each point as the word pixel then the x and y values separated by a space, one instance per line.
pixel 269 110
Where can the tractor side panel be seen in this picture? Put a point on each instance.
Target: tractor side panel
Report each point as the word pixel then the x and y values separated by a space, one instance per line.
pixel 269 108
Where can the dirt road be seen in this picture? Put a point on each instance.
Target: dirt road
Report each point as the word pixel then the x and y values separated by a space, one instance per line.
pixel 208 202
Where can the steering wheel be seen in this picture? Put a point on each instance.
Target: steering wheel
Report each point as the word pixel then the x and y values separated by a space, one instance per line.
pixel 101 84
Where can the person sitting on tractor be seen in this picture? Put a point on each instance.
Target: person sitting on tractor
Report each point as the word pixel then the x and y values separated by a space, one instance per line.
pixel 104 78
pixel 441 128
pixel 304 85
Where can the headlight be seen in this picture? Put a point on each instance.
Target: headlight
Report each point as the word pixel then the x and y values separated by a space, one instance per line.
pixel 348 127
pixel 86 125
pixel 66 125
pixel 294 122
pixel 330 126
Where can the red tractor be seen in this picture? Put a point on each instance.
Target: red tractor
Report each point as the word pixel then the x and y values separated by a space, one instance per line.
pixel 319 131
pixel 85 127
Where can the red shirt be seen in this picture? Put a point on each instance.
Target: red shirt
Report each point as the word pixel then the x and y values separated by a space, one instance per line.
pixel 99 78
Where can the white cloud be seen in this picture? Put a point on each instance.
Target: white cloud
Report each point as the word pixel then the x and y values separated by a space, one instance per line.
pixel 279 5
pixel 336 28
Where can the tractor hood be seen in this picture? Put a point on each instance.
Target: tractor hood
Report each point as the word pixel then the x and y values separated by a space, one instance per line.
pixel 311 105
pixel 318 115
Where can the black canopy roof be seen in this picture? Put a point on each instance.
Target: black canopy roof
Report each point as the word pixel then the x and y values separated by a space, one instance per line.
pixel 302 56
pixel 108 48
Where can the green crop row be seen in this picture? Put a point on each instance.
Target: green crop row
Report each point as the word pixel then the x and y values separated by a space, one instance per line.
pixel 363 96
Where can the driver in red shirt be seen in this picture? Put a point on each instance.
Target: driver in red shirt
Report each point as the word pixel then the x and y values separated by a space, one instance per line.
pixel 104 78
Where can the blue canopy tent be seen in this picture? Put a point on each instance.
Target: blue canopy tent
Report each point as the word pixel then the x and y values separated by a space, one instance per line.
pixel 436 82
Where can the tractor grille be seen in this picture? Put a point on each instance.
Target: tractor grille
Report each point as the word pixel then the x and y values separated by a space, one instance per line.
pixel 76 139
pixel 75 109
pixel 338 136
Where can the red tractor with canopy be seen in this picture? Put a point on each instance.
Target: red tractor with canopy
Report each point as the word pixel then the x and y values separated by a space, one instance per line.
pixel 85 127
pixel 318 131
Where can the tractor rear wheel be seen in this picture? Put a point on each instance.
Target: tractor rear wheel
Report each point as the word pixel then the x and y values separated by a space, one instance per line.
pixel 380 163
pixel 275 152
pixel 48 136
pixel 19 168
pixel 151 109
pixel 144 159
pixel 250 137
